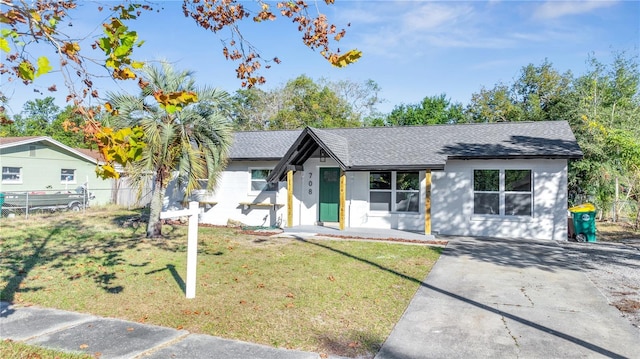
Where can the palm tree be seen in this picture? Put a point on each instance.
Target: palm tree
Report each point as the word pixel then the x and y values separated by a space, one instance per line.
pixel 186 145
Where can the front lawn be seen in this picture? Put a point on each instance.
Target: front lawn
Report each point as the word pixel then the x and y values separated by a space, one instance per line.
pixel 329 296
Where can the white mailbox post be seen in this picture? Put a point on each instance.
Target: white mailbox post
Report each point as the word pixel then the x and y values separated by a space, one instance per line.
pixel 192 244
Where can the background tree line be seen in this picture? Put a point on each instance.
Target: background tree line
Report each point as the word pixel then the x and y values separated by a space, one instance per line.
pixel 602 106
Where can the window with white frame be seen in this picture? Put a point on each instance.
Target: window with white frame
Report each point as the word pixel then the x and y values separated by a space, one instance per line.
pixel 11 175
pixel 68 175
pixel 502 192
pixel 259 180
pixel 393 191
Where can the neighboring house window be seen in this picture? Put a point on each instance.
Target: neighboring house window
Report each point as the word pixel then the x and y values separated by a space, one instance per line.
pixel 67 175
pixel 394 191
pixel 11 175
pixel 502 192
pixel 259 181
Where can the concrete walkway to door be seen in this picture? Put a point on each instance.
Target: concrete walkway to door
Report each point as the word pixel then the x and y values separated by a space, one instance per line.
pixel 492 298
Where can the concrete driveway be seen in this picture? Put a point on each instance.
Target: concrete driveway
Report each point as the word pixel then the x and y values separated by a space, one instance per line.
pixel 491 298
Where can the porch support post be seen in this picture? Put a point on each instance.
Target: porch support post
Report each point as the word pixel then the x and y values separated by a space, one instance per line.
pixel 290 198
pixel 427 202
pixel 343 199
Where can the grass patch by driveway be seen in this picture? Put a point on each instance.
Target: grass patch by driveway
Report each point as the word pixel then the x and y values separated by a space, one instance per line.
pixel 330 296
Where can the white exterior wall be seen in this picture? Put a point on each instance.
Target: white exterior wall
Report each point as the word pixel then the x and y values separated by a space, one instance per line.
pixel 306 190
pixel 357 214
pixel 452 201
pixel 361 216
pixel 234 188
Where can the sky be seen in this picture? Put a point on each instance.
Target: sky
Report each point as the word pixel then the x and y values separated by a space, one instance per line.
pixel 411 49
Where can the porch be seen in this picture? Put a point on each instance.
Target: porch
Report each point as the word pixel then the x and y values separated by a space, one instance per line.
pixel 355 232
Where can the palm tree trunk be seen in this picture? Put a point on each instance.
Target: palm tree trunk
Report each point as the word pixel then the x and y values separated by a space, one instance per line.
pixel 154 227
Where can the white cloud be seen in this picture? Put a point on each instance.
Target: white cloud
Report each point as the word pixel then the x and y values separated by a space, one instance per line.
pixel 556 9
pixel 433 16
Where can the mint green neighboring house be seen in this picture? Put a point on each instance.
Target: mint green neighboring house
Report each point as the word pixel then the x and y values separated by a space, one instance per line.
pixel 42 164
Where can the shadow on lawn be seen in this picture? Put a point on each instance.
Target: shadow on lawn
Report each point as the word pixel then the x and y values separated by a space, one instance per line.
pixel 68 246
pixel 174 273
pixel 390 352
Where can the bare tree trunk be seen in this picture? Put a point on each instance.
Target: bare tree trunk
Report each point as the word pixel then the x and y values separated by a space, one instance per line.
pixel 638 217
pixel 154 227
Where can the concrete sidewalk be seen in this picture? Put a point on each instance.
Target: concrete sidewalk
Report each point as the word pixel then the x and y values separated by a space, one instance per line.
pixel 490 298
pixel 114 338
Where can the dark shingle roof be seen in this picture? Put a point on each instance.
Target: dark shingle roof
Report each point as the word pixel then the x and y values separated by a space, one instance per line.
pixel 336 145
pixel 433 145
pixel 423 147
pixel 260 145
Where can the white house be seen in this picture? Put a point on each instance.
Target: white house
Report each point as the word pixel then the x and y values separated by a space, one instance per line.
pixel 499 180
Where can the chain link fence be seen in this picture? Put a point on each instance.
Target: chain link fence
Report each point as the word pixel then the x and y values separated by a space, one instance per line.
pixel 625 211
pixel 38 201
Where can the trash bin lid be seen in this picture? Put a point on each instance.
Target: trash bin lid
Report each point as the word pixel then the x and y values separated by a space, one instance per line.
pixel 585 207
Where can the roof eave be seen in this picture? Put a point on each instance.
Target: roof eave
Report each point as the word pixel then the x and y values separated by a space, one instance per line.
pixel 55 143
pixel 412 167
pixel 517 157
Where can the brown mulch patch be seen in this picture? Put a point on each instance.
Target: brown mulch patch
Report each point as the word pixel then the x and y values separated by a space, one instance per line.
pixel 627 305
pixel 390 239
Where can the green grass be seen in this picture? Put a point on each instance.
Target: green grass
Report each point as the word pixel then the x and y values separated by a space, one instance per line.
pixel 331 296
pixel 14 350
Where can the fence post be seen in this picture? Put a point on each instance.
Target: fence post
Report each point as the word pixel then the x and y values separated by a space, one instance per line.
pixel 26 207
pixel 192 244
pixel 192 250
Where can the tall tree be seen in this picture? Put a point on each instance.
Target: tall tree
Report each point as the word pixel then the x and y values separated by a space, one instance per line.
pixel 362 97
pixel 39 22
pixel 321 103
pixel 607 107
pixel 189 142
pixel 254 108
pixel 37 115
pixel 432 110
pixel 310 104
pixel 493 105
pixel 539 90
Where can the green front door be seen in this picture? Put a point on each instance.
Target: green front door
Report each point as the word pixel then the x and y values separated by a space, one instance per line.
pixel 329 194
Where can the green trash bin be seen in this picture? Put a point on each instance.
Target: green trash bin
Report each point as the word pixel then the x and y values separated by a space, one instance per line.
pixel 1 203
pixel 584 222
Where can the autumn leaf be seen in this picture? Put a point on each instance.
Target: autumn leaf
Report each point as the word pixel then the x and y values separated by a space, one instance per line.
pixel 4 45
pixel 331 278
pixel 107 171
pixel 290 295
pixel 70 48
pixel 25 71
pixel 129 329
pixel 84 346
pixel 346 59
pixel 123 74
